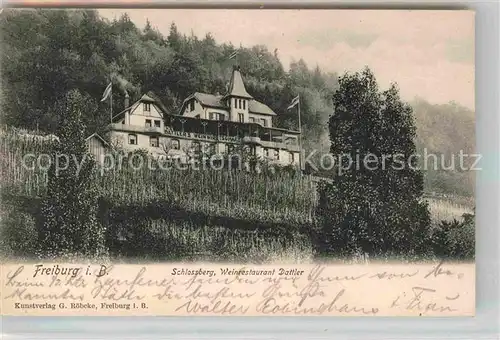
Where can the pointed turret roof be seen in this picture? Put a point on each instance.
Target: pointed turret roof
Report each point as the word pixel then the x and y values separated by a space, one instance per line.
pixel 236 85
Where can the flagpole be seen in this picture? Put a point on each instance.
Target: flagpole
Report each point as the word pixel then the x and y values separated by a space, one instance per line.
pixel 300 136
pixel 111 105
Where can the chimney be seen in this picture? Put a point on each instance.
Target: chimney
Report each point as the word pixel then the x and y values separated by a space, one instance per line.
pixel 126 101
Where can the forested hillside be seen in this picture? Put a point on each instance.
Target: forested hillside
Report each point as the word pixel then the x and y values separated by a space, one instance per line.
pixel 444 130
pixel 46 53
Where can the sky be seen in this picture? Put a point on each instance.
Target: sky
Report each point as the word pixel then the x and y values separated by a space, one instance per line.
pixel 429 54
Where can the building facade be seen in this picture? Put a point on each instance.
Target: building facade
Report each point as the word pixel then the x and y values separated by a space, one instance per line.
pixel 97 146
pixel 211 124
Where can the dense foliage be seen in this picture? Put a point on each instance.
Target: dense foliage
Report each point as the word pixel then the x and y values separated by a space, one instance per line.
pixel 69 209
pixel 455 239
pixel 372 206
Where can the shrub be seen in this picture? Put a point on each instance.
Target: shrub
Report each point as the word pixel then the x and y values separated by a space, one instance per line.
pixel 69 209
pixel 181 240
pixel 18 234
pixel 455 239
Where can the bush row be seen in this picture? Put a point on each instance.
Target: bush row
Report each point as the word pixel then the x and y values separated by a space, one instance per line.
pixel 165 232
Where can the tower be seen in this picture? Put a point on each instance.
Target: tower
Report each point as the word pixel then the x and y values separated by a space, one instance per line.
pixel 237 98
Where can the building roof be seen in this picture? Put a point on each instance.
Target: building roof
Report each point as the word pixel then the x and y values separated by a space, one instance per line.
pixel 95 134
pixel 157 101
pixel 144 98
pixel 258 107
pixel 173 117
pixel 236 85
pixel 211 100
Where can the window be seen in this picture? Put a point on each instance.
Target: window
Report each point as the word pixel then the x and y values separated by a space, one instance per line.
pixel 244 104
pixel 216 116
pixel 290 157
pixel 252 120
pixel 266 152
pixel 197 117
pixel 191 105
pixel 148 122
pixel 210 149
pixel 277 154
pixel 175 144
pixel 132 139
pixel 239 104
pixel 147 107
pixel 154 142
pixel 241 117
pixel 263 122
pixel 157 123
pixel 235 103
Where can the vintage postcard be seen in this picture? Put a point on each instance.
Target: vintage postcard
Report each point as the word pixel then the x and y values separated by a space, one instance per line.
pixel 237 162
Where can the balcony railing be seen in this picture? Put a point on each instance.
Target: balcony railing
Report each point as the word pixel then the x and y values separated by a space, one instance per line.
pixel 290 145
pixel 137 128
pixel 279 145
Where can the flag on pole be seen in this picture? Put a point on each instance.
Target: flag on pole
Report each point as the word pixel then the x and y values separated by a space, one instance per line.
pixel 294 102
pixel 233 55
pixel 107 92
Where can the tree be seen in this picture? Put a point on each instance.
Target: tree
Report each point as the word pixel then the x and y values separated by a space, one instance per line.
pixel 174 39
pixel 70 225
pixel 317 78
pixel 373 203
pixel 151 33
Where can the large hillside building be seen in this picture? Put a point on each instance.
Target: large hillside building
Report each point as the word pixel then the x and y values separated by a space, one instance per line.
pixel 206 122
